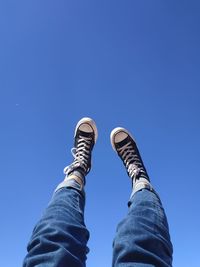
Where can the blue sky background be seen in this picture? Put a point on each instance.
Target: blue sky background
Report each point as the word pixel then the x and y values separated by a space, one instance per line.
pixel 124 63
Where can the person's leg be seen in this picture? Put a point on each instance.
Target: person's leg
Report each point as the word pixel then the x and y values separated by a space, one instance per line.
pixel 142 238
pixel 60 238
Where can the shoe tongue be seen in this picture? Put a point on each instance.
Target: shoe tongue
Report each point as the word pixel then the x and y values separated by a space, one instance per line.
pixel 85 134
pixel 123 142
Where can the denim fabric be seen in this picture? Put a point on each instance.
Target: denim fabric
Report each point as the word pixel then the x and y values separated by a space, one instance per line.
pixel 60 237
pixel 142 238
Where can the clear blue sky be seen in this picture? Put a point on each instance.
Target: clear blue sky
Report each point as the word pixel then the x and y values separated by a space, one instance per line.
pixel 124 63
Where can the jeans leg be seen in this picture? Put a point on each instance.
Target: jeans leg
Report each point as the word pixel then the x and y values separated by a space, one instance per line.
pixel 142 238
pixel 60 237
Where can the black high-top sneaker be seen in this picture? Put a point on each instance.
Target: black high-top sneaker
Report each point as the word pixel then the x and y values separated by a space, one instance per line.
pixel 85 137
pixel 125 146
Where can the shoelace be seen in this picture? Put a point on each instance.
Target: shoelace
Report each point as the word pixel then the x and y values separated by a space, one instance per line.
pixel 131 160
pixel 81 155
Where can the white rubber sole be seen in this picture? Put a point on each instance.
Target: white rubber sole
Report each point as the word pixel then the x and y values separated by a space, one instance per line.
pixel 91 123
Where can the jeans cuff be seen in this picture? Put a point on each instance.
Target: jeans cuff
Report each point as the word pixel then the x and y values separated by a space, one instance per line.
pixel 141 185
pixel 71 183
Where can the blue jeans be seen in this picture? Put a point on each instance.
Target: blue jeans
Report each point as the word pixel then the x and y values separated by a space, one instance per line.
pixel 60 238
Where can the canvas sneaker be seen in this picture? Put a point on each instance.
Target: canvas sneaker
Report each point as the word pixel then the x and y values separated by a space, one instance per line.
pixel 126 148
pixel 85 137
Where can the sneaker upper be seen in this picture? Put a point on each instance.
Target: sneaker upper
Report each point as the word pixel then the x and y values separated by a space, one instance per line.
pixel 85 137
pixel 125 146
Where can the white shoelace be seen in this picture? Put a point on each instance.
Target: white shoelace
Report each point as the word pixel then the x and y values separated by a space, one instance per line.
pixel 128 154
pixel 81 155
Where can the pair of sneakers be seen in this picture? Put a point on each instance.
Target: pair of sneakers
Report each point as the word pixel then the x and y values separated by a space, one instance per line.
pixel 122 142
